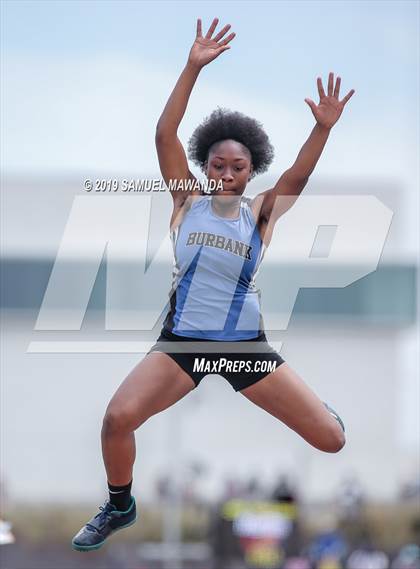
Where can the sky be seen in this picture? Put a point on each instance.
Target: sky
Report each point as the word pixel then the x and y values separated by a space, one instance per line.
pixel 60 59
pixel 84 83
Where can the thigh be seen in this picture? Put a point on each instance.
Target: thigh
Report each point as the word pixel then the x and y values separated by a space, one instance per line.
pixel 286 396
pixel 154 384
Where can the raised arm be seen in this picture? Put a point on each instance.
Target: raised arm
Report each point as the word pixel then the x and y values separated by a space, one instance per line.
pixel 273 203
pixel 172 159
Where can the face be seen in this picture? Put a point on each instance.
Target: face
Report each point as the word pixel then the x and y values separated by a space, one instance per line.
pixel 229 161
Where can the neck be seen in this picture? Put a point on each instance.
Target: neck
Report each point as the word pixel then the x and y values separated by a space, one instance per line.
pixel 226 206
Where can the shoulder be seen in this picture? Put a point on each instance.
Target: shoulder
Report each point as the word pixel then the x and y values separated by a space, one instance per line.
pixel 191 203
pixel 262 206
pixel 259 204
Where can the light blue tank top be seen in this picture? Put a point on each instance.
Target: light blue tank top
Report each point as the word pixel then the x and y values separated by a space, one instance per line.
pixel 213 294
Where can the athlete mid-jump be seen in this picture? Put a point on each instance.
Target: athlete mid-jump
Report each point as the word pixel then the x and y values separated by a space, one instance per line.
pixel 219 241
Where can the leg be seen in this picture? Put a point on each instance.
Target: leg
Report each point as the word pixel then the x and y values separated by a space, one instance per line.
pixel 155 384
pixel 285 396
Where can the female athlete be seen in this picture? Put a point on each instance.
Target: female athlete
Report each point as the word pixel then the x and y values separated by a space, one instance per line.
pixel 214 321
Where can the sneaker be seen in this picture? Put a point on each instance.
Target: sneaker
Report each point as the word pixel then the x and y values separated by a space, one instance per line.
pixel 109 520
pixel 335 415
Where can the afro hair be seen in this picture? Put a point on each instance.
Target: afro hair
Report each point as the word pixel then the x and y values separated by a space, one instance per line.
pixel 224 124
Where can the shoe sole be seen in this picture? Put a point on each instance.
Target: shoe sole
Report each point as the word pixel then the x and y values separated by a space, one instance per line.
pixel 86 548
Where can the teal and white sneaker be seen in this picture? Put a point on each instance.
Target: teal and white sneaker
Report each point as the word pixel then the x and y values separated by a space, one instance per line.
pixel 109 520
pixel 335 415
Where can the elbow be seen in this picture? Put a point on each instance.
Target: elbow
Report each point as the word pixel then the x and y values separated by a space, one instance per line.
pixel 295 180
pixel 163 134
pixel 302 183
pixel 295 177
pixel 159 134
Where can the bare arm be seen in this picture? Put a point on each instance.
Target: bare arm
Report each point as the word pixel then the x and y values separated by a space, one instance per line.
pixel 278 200
pixel 171 154
pixel 172 158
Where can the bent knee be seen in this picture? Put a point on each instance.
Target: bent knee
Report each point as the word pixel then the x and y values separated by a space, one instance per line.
pixel 116 420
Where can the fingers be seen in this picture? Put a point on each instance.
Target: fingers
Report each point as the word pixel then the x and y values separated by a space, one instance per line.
pixel 311 104
pixel 228 39
pixel 224 48
pixel 320 88
pixel 347 97
pixel 333 91
pixel 212 28
pixel 199 33
pixel 337 87
pixel 219 35
pixel 222 32
pixel 330 84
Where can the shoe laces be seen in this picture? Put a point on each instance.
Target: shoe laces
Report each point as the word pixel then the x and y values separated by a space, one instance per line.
pixel 103 516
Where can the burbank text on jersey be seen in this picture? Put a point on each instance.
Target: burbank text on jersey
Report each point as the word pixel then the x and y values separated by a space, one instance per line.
pixel 213 292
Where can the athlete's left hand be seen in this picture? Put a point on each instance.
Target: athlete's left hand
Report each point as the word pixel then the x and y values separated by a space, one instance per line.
pixel 329 108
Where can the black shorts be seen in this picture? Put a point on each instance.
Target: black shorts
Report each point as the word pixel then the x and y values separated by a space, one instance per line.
pixel 241 363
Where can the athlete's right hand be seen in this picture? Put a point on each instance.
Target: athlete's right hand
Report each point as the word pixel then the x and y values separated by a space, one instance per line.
pixel 206 49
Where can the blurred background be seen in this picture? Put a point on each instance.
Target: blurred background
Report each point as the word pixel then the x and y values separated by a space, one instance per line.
pixel 219 483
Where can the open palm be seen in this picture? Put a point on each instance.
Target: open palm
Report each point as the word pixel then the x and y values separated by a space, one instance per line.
pixel 206 48
pixel 329 108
